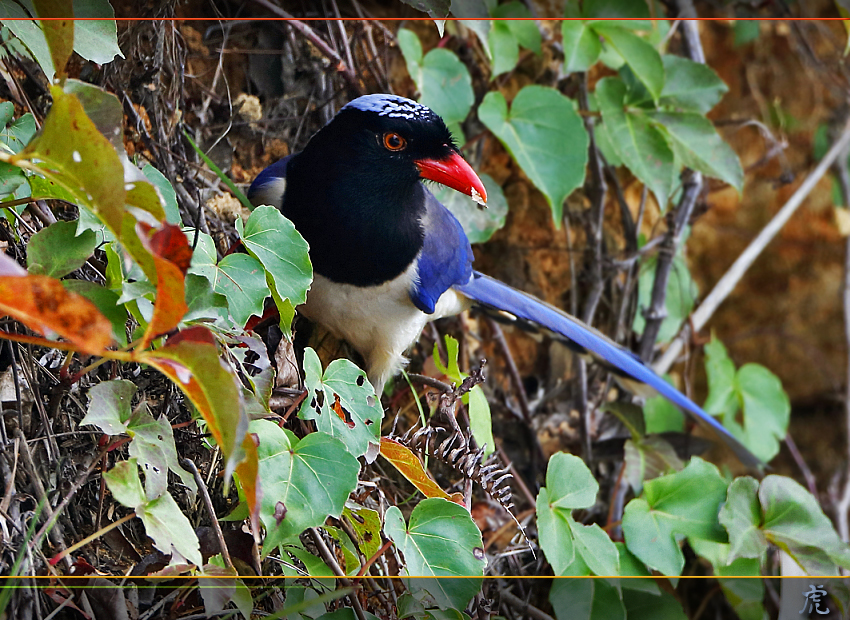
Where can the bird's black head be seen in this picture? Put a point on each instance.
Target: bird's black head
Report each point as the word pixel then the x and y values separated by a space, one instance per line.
pixel 355 191
pixel 393 142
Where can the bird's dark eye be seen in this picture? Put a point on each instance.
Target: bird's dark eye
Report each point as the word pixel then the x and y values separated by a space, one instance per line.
pixel 393 141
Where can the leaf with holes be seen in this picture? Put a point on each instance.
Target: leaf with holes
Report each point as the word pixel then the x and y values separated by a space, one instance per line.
pixel 440 540
pixel 545 136
pixel 304 481
pixel 342 402
pixel 167 526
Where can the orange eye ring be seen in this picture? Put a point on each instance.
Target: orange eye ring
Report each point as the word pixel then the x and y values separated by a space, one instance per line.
pixel 394 142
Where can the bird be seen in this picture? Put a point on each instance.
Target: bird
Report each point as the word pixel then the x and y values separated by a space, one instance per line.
pixel 388 257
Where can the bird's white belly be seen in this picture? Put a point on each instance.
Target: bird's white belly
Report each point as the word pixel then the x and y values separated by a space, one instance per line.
pixel 380 322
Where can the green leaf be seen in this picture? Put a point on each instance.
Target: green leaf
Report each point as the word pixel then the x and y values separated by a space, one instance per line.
pixel 109 406
pixel 690 86
pixel 697 145
pixel 641 147
pixel 586 599
pixel 525 31
pixel 545 136
pixel 505 48
pixel 569 485
pixel 741 516
pixel 679 301
pixel 648 458
pixel 56 250
pixel 621 9
pixel 642 58
pixel 581 45
pixel 440 540
pixel 17 134
pixel 303 482
pixel 96 39
pixel 682 504
pixel 167 526
pixel 152 442
pixel 366 524
pixel 479 224
pixel 630 566
pixel 166 191
pixel 745 31
pixel 720 370
pixel 360 407
pixel 242 280
pixel 204 304
pixel 106 301
pixel 443 81
pixel 767 410
pixel 644 606
pixel 437 9
pixel 793 520
pixel 272 239
pixel 15 18
pixel 661 415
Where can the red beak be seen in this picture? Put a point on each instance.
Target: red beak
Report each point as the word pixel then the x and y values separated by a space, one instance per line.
pixel 454 172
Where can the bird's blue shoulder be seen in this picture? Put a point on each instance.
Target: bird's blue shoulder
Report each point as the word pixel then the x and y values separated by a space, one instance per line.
pixel 268 187
pixel 445 259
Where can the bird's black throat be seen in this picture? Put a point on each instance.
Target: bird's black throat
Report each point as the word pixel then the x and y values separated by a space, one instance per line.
pixel 361 218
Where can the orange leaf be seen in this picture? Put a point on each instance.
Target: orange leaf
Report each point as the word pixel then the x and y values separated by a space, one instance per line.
pixel 171 255
pixel 43 304
pixel 194 366
pixel 249 477
pixel 410 467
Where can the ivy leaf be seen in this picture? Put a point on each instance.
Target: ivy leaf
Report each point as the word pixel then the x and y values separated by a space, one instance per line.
pixel 587 599
pixel 56 250
pixel 621 9
pixel 697 145
pixel 642 58
pixel 95 32
pixel 641 147
pixel 242 280
pixel 690 86
pixel 167 526
pixel 508 33
pixel 569 485
pixel 166 191
pixel 478 224
pixel 741 516
pixel 678 302
pixel 272 239
pixel 581 45
pixel 304 481
pixel 682 504
pixel 443 81
pixel 440 540
pixel 793 520
pixel 545 136
pixel 342 402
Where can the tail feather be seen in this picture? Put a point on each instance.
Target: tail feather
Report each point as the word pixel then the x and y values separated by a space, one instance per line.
pixel 501 297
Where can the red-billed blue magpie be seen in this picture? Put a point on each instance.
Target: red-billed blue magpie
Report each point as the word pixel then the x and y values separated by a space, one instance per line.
pixel 388 257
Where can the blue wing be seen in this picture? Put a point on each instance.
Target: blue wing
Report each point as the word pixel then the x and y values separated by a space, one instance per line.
pixel 499 296
pixel 446 256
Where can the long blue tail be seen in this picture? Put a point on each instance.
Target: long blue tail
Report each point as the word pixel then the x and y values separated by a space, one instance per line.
pixel 501 297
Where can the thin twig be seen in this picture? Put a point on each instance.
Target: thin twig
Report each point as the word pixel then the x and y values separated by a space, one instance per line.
pixel 199 480
pixel 730 279
pixel 513 371
pixel 330 560
pixel 526 609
